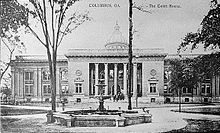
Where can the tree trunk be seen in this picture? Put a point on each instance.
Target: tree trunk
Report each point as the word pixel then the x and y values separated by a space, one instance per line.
pixel 130 55
pixel 52 79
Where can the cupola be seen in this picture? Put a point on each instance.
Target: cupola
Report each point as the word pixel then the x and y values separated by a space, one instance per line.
pixel 116 41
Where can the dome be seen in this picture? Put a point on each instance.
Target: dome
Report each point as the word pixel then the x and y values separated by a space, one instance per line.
pixel 116 41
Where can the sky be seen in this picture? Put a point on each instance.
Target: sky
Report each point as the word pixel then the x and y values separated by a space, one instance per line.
pixel 164 27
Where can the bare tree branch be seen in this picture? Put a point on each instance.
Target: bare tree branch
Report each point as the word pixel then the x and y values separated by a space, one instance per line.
pixel 10 59
pixel 46 27
pixel 35 34
pixel 52 19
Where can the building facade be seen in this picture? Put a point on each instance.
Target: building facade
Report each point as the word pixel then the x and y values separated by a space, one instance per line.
pixel 207 91
pixel 81 70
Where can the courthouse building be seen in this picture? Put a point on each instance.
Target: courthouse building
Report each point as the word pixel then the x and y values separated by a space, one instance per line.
pixel 80 70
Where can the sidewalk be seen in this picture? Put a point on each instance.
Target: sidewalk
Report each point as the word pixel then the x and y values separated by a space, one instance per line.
pixel 163 120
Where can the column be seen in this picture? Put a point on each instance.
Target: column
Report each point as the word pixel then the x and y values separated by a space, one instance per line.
pixel 17 82
pixel 217 85
pixel 106 79
pixel 21 82
pixel 35 82
pixel 92 83
pixel 12 82
pixel 96 77
pixel 213 85
pixel 125 79
pixel 199 89
pixel 39 82
pixel 115 78
pixel 135 80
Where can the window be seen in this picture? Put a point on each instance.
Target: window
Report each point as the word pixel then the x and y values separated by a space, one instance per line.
pixel 186 100
pixel 65 89
pixel 152 87
pixel 46 89
pixel 46 75
pixel 153 100
pixel 78 88
pixel 165 88
pixel 186 90
pixel 208 88
pixel 64 74
pixel 28 75
pixel 203 88
pixel 28 89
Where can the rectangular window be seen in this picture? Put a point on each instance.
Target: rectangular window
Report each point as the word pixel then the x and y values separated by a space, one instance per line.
pixel 165 88
pixel 152 87
pixel 46 89
pixel 184 90
pixel 28 89
pixel 78 88
pixel 64 75
pixel 208 88
pixel 190 90
pixel 203 88
pixel 46 75
pixel 28 75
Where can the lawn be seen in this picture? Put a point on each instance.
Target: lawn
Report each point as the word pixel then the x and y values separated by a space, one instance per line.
pixel 203 110
pixel 8 111
pixel 198 125
pixel 195 125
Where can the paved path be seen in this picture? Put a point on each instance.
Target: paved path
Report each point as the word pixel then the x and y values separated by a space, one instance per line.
pixel 163 120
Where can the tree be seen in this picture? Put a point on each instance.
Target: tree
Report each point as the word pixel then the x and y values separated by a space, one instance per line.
pixel 183 75
pixel 13 17
pixel 207 66
pixel 130 53
pixel 209 34
pixel 6 89
pixel 55 25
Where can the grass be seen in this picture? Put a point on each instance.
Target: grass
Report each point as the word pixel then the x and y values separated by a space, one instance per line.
pixel 7 121
pixel 197 125
pixel 8 111
pixel 204 110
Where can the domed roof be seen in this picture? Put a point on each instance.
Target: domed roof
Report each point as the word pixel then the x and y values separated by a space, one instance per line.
pixel 116 41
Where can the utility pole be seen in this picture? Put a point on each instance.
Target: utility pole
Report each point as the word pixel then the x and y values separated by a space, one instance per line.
pixel 130 70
